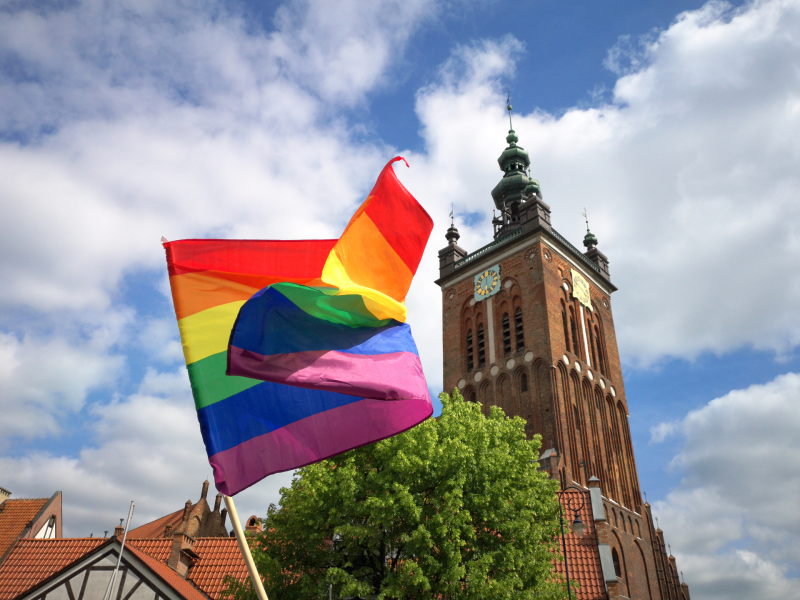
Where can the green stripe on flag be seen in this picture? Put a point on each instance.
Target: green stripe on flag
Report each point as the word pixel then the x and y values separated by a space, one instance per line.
pixel 323 303
pixel 210 384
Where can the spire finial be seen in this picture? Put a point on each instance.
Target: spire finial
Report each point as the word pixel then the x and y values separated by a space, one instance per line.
pixel 452 214
pixel 508 107
pixel 590 239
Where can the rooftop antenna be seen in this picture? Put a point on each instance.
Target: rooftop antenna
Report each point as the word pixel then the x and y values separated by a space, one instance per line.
pixel 111 581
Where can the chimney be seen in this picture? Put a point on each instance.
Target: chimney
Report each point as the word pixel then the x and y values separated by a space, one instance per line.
pixel 217 502
pixel 168 531
pixel 204 493
pixel 253 525
pixel 182 554
pixel 4 495
pixel 186 509
pixel 119 529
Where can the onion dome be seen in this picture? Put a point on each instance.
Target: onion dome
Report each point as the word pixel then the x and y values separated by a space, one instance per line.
pixel 589 240
pixel 532 188
pixel 513 162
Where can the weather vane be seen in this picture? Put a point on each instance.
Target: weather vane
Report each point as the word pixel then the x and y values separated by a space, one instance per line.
pixel 586 218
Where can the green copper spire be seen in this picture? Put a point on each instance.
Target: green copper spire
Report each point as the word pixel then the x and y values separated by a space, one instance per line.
pixel 513 162
pixel 590 239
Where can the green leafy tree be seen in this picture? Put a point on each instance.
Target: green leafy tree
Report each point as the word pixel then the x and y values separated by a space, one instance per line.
pixel 453 508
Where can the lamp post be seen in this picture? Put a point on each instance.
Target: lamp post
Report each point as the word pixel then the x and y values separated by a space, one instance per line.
pixel 577 525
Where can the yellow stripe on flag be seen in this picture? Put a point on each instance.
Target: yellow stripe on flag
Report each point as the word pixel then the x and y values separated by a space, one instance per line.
pixel 208 332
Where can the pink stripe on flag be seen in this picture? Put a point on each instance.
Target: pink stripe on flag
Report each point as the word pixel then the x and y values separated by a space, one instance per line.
pixel 392 376
pixel 315 438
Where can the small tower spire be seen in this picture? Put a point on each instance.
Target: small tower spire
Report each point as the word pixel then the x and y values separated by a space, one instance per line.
pixel 509 107
pixel 590 239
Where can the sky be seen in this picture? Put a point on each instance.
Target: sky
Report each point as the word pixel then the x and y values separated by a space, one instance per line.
pixel 676 125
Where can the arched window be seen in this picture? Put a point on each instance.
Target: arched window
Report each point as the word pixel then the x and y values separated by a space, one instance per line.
pixel 567 344
pixel 590 330
pixel 638 530
pixel 481 348
pixel 470 355
pixel 506 334
pixel 574 330
pixel 471 396
pixel 615 559
pixel 518 328
pixel 523 382
pixel 601 359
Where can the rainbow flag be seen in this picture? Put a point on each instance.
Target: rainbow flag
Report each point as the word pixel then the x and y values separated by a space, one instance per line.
pixel 299 350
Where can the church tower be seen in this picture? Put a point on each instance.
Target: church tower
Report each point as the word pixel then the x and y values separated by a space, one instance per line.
pixel 528 326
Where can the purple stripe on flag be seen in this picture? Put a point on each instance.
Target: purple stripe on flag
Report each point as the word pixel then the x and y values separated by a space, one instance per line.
pixel 313 439
pixel 392 376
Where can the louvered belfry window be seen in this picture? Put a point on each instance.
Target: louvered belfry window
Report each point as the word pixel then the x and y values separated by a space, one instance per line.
pixel 506 334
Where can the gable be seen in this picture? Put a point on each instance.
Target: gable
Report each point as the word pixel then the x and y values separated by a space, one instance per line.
pixel 137 579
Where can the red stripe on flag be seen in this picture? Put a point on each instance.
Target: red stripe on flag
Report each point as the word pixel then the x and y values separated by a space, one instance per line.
pixel 399 217
pixel 283 259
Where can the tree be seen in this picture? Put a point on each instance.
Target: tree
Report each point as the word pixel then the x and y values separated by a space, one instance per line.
pixel 453 508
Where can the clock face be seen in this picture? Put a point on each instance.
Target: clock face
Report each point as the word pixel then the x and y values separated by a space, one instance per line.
pixel 487 283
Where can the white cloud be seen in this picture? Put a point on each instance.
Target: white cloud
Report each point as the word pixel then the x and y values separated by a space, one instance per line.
pixel 732 522
pixel 662 431
pixel 42 381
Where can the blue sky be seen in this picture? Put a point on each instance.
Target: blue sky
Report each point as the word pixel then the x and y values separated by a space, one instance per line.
pixel 676 124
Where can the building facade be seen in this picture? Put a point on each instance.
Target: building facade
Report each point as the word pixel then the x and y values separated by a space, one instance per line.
pixel 528 326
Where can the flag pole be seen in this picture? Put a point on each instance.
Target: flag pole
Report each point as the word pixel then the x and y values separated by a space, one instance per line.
pixel 248 558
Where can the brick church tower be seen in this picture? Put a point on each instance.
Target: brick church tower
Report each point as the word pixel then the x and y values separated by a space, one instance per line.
pixel 528 326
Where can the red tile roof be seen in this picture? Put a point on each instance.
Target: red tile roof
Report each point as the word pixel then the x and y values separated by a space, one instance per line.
pixel 156 529
pixel 158 549
pixel 33 561
pixel 582 554
pixel 218 557
pixel 14 517
pixel 182 586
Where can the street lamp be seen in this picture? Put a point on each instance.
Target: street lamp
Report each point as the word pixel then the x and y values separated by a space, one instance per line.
pixel 578 526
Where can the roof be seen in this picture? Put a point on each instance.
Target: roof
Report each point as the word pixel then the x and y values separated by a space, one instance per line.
pixel 583 556
pixel 218 557
pixel 157 528
pixel 15 514
pixel 34 560
pixel 181 585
